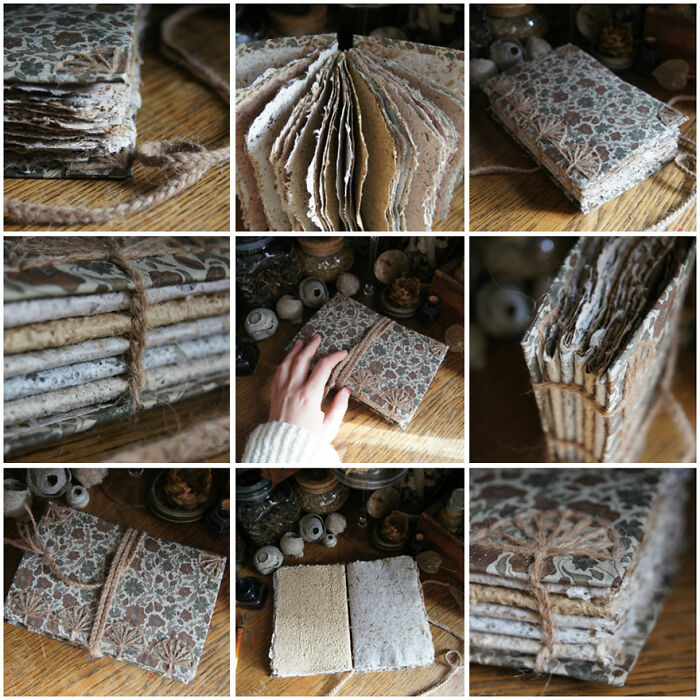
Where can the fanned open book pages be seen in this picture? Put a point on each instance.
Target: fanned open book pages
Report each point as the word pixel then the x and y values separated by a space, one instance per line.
pixel 367 139
pixel 71 89
pixel 596 135
pixel 318 609
pixel 600 340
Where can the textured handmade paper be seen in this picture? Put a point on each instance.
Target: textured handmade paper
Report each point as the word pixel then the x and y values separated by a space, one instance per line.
pixel 390 627
pixel 311 631
pixel 168 593
pixel 371 138
pixel 599 343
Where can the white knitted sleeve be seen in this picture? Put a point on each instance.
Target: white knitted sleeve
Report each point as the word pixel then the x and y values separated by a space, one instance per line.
pixel 277 442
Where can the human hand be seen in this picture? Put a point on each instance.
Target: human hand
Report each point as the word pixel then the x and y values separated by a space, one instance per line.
pixel 296 397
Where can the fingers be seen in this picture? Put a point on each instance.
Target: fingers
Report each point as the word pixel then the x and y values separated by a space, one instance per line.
pixel 322 371
pixel 334 415
pixel 301 362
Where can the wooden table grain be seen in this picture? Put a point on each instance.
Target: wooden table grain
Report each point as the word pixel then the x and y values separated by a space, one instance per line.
pixel 253 669
pixel 436 433
pixel 39 666
pixel 532 202
pixel 666 665
pixel 175 107
pixel 161 421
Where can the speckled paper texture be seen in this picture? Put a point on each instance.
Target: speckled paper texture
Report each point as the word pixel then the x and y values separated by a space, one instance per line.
pixel 587 127
pixel 394 373
pixel 37 310
pixel 59 426
pixel 40 360
pixel 83 372
pixel 168 593
pixel 367 139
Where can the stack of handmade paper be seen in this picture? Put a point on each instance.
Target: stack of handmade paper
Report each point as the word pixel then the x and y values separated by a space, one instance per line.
pixel 71 89
pixel 368 139
pixel 569 567
pixel 96 328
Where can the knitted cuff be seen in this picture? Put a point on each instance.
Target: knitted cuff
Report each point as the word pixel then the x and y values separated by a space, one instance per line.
pixel 277 442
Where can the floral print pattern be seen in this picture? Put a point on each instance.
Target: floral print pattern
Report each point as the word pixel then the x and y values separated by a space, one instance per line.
pixel 165 594
pixel 599 111
pixel 396 370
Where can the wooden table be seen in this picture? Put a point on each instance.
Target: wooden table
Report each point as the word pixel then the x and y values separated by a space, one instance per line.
pixel 253 670
pixel 666 665
pixel 532 202
pixel 39 665
pixel 161 421
pixel 175 107
pixel 436 433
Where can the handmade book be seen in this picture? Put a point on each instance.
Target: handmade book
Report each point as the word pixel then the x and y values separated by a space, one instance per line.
pixel 389 367
pixel 74 313
pixel 158 614
pixel 594 134
pixel 366 139
pixel 72 76
pixel 569 568
pixel 600 348
pixel 365 616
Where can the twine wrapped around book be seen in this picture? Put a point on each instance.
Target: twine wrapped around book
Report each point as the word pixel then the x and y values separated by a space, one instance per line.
pixel 342 371
pixel 30 541
pixel 30 252
pixel 539 535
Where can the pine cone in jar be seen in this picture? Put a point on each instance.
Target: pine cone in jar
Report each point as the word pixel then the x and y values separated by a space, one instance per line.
pixel 188 488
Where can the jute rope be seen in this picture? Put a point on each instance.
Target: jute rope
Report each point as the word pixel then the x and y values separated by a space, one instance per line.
pixel 540 535
pixel 128 547
pixel 342 371
pixel 187 163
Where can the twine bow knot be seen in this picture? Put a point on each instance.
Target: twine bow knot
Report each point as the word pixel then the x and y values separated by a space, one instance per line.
pixel 540 535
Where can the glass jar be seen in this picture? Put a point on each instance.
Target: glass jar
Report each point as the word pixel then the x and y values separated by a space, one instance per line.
pixel 318 491
pixel 451 516
pixel 325 257
pixel 515 21
pixel 266 268
pixel 263 511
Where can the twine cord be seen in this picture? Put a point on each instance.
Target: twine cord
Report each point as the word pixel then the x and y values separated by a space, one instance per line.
pixel 187 163
pixel 539 536
pixel 128 547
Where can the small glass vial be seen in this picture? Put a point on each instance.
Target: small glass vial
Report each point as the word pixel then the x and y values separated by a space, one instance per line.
pixel 451 516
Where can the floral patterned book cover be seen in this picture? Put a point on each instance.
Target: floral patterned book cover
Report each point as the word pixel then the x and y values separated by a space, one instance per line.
pixel 162 608
pixel 595 134
pixel 72 74
pixel 395 371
